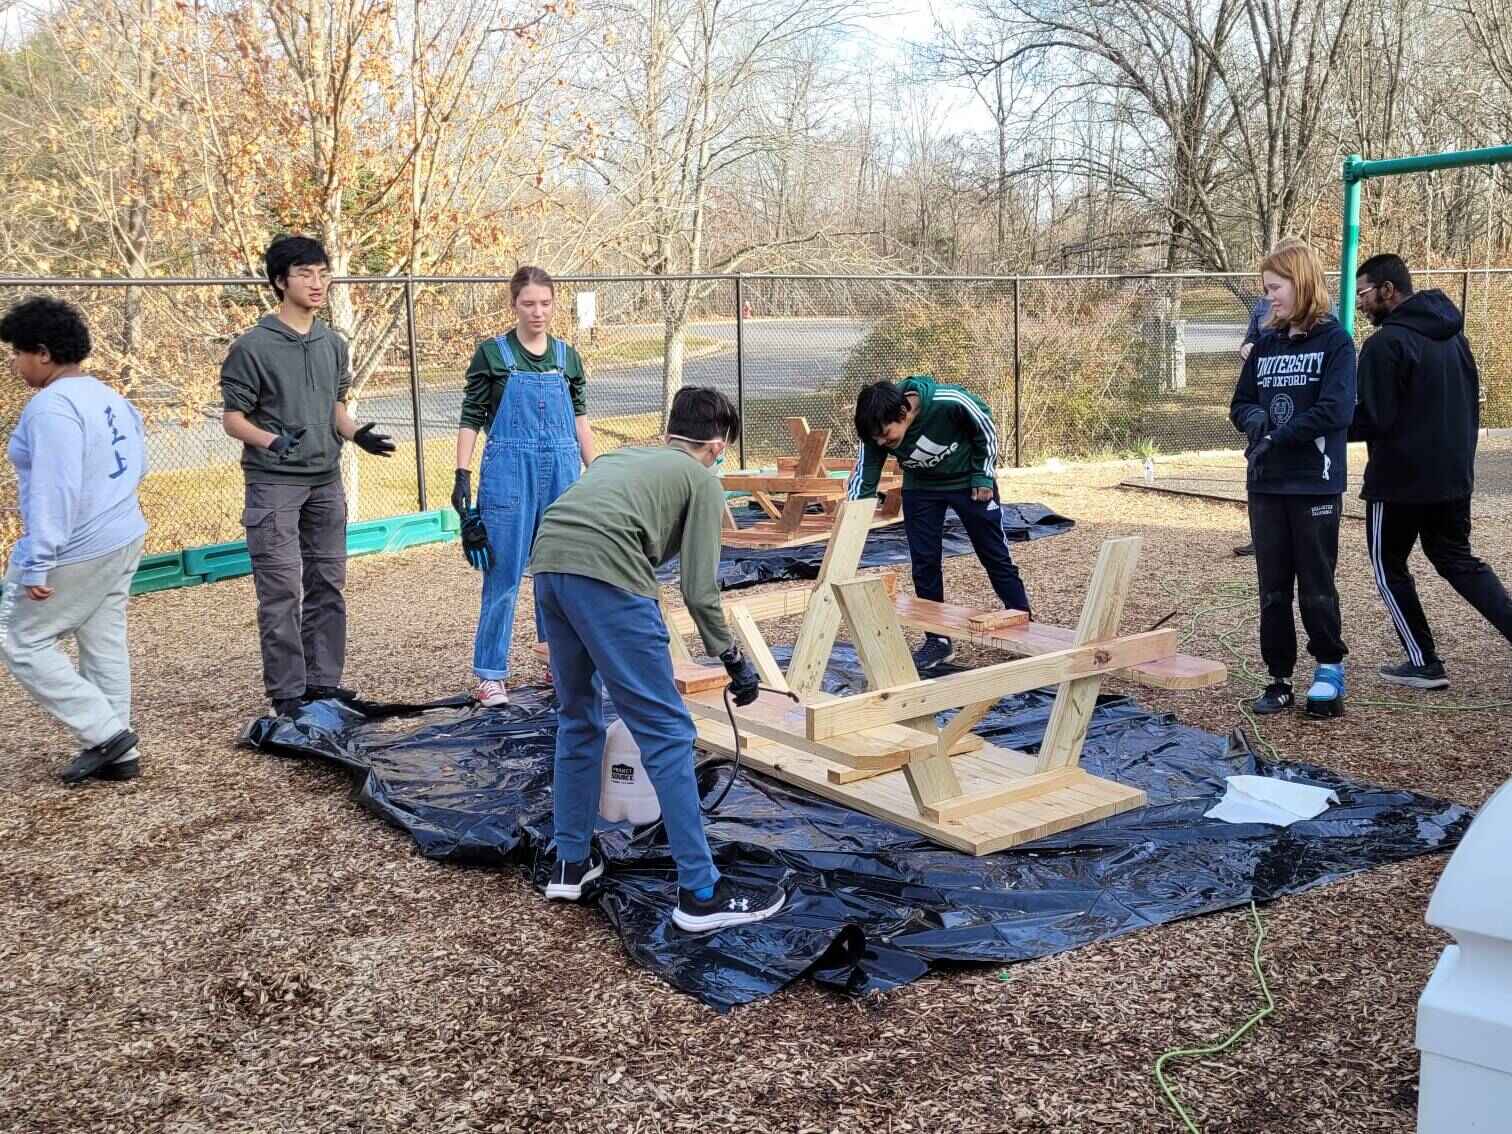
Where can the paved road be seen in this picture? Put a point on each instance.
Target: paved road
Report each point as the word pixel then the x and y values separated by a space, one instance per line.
pixel 782 357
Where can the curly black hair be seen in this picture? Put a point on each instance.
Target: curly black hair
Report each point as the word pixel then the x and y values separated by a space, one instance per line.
pixel 42 322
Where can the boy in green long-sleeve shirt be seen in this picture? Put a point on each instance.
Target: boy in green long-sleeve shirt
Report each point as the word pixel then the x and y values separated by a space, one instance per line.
pixel 945 441
pixel 594 565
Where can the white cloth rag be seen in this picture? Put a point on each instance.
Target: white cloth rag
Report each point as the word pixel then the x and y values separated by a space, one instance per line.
pixel 1260 799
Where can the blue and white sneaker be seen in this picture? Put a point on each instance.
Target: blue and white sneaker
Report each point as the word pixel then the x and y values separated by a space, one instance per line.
pixel 1326 696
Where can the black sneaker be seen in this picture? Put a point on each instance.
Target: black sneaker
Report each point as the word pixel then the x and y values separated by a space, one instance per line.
pixel 933 653
pixel 287 706
pixel 569 878
pixel 1245 549
pixel 91 760
pixel 732 904
pixel 1429 676
pixel 1277 698
pixel 120 771
pixel 329 693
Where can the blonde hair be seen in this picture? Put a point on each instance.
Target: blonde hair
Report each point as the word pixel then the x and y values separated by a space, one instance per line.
pixel 1294 260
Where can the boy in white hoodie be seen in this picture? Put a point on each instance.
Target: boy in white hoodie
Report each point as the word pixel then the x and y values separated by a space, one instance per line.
pixel 79 452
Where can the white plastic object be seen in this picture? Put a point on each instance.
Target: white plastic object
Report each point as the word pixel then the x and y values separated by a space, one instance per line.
pixel 1464 1021
pixel 626 794
pixel 1149 470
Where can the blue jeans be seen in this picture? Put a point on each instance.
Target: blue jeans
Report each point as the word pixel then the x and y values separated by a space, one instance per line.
pixel 604 638
pixel 924 520
pixel 531 458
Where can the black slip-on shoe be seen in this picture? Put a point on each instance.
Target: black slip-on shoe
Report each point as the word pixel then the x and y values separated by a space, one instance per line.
pixel 91 760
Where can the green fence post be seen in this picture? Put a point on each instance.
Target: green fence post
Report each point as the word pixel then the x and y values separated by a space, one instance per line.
pixel 1350 253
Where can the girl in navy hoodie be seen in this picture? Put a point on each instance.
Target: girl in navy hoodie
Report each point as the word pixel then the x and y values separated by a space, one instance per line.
pixel 1294 403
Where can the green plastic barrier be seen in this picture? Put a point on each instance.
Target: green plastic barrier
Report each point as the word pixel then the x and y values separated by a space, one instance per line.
pixel 218 561
pixel 162 572
pixel 395 533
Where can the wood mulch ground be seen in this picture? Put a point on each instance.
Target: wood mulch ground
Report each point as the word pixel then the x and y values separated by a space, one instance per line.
pixel 230 944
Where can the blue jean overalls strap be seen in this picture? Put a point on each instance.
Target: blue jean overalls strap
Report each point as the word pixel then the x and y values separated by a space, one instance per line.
pixel 531 457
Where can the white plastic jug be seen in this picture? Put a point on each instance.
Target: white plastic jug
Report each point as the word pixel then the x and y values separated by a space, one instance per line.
pixel 626 794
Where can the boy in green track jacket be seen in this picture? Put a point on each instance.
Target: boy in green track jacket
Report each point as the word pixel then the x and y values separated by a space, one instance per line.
pixel 944 440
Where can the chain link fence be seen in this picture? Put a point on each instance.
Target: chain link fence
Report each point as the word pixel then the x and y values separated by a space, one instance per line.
pixel 1074 367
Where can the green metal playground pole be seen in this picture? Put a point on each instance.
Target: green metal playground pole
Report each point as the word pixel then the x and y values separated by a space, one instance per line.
pixel 1351 243
pixel 1357 170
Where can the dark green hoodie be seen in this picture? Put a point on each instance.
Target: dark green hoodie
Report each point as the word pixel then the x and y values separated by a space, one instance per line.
pixel 951 446
pixel 284 381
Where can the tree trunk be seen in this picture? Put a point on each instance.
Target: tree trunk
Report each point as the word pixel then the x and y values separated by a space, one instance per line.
pixel 674 346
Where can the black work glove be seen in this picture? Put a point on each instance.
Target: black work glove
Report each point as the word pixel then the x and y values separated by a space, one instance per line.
pixel 744 683
pixel 462 492
pixel 1254 427
pixel 475 545
pixel 378 444
pixel 1256 453
pixel 284 444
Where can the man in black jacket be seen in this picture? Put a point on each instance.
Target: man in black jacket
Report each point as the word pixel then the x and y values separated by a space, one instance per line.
pixel 1419 410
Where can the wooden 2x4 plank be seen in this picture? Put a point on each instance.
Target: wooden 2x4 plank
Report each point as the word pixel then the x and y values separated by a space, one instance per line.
pixel 776 718
pixel 1180 671
pixel 886 797
pixel 866 710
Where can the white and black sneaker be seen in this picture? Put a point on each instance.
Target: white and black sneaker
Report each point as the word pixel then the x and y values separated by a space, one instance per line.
pixel 731 904
pixel 569 879
pixel 933 653
pixel 1430 676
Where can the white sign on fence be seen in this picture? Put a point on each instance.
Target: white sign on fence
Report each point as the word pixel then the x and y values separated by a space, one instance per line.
pixel 587 309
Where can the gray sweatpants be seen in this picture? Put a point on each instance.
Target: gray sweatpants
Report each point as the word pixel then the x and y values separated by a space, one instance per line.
pixel 297 537
pixel 89 602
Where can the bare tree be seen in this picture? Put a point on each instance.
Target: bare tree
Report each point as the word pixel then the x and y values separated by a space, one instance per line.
pixel 677 80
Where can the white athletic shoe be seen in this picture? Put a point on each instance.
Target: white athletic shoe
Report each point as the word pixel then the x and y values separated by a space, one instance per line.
pixel 491 694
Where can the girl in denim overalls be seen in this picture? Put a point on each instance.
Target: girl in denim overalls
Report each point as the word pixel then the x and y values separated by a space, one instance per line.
pixel 525 390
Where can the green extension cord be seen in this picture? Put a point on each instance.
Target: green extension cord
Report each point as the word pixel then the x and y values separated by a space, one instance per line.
pixel 1217 1048
pixel 1221 599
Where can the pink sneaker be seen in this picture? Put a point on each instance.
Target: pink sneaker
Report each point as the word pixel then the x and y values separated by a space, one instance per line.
pixel 491 694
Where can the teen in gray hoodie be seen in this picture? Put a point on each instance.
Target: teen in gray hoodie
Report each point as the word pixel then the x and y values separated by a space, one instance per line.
pixel 284 387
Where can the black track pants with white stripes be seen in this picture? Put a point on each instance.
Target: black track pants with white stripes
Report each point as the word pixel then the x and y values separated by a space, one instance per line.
pixel 1297 547
pixel 1443 526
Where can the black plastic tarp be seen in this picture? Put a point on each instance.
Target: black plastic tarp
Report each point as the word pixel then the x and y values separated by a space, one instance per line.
pixel 873 906
pixel 885 547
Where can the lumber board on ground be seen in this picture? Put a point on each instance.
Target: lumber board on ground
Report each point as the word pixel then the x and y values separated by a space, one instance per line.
pixel 816 639
pixel 1075 700
pixel 887 797
pixel 777 718
pixel 744 627
pixel 885 658
pixel 934 695
pixel 998 620
pixel 767 505
pixel 811 452
pixel 765 535
pixel 690 677
pixel 969 742
pixel 812 485
pixel 1180 671
pixel 786 465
